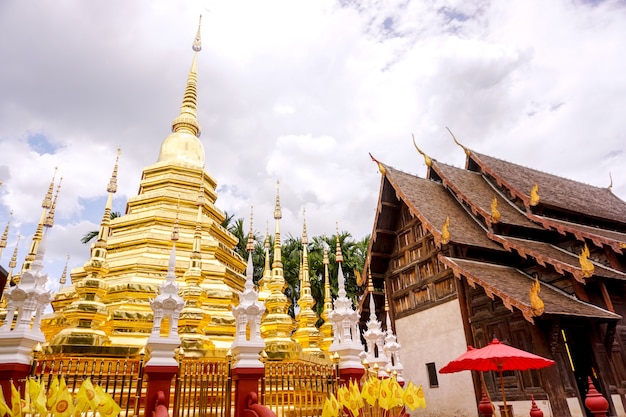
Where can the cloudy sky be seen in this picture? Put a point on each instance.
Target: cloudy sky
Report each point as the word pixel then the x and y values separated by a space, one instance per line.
pixel 299 91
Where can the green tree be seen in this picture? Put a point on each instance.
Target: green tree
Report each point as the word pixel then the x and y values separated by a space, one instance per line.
pixel 92 234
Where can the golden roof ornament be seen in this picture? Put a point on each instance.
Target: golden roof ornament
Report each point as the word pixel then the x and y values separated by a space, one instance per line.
pixel 326 328
pixel 534 195
pixel 536 303
pixel 63 279
pixel 586 266
pixel 250 243
pixel 427 159
pixel 466 150
pixel 5 235
pixel 49 222
pixel 445 232
pixel 495 213
pixel 381 167
pixel 46 204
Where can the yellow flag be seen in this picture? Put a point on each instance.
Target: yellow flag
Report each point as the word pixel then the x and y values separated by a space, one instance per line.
pixel 16 401
pixel 420 397
pixel 86 397
pixel 343 395
pixel 36 391
pixel 4 407
pixel 355 394
pixel 370 390
pixel 385 399
pixel 107 407
pixel 396 393
pixel 53 389
pixel 63 405
pixel 330 409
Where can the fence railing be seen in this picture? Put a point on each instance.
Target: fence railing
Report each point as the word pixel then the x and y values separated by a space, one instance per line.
pixel 121 378
pixel 203 388
pixel 297 388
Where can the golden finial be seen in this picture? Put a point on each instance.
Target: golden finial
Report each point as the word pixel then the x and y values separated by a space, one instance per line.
pixel 13 261
pixel 445 232
pixel 338 255
pixel 63 279
pixel 266 244
pixel 370 282
pixel 611 182
pixel 466 150
pixel 534 195
pixel 536 303
pixel 427 159
pixel 359 279
pixel 305 238
pixel 495 213
pixel 197 43
pixel 586 266
pixel 187 120
pixel 277 212
pixel 47 200
pixel 381 167
pixel 386 300
pixel 175 234
pixel 5 235
pixel 112 187
pixel 50 217
pixel 250 244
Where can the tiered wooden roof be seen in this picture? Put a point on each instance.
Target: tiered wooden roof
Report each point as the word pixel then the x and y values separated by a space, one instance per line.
pixel 541 239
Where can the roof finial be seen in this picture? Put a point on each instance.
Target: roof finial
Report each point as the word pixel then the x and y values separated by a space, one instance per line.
pixel 495 213
pixel 50 217
pixel 445 231
pixel 63 279
pixel 187 120
pixel 611 182
pixel 112 187
pixel 534 195
pixel 250 244
pixel 467 151
pixel 5 235
pixel 537 305
pixel 381 167
pixel 427 159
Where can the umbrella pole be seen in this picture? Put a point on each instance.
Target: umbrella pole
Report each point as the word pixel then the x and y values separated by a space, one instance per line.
pixel 506 410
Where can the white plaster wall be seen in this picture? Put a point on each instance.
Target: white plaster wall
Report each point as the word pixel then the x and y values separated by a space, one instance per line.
pixel 574 407
pixel 436 335
pixel 619 407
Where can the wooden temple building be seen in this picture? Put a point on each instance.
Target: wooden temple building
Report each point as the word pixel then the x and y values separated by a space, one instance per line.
pixel 499 249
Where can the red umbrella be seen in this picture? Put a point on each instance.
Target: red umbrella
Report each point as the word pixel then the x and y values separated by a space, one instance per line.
pixel 499 357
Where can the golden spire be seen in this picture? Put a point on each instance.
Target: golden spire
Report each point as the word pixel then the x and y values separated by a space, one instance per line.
pixel 534 195
pixel 5 235
pixel 267 269
pixel 49 222
pixel 307 334
pixel 427 159
pixel 46 204
pixel 495 214
pixel 586 266
pixel 12 264
pixel 250 244
pixel 187 120
pixel 326 328
pixel 63 279
pixel 445 232
pixel 466 150
pixel 194 273
pixel 370 281
pixel 277 325
pixel 183 145
pixel 536 303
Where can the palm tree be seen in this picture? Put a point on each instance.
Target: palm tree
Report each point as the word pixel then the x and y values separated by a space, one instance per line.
pixel 92 234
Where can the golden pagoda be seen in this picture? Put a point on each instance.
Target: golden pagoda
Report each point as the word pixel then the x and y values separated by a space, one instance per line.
pixel 277 325
pixel 138 248
pixel 307 334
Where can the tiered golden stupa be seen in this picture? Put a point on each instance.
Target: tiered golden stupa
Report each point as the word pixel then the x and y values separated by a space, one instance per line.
pixel 106 310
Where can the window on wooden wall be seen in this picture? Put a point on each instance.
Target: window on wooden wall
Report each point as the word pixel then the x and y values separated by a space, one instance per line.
pixel 445 288
pixel 419 231
pixel 422 295
pixel 409 277
pixel 431 369
pixel 404 239
pixel 396 283
pixel 404 302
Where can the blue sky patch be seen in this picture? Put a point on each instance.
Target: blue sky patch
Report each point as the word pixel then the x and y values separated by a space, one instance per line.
pixel 40 144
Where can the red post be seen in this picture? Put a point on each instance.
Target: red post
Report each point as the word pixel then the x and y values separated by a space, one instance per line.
pixel 595 402
pixel 534 410
pixel 485 408
pixel 17 372
pixel 246 380
pixel 349 374
pixel 159 379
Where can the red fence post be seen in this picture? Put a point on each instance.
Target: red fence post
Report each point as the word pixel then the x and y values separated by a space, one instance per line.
pixel 595 402
pixel 159 379
pixel 246 381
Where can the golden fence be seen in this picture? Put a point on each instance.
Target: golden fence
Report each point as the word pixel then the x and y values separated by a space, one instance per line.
pixel 297 388
pixel 203 388
pixel 121 378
